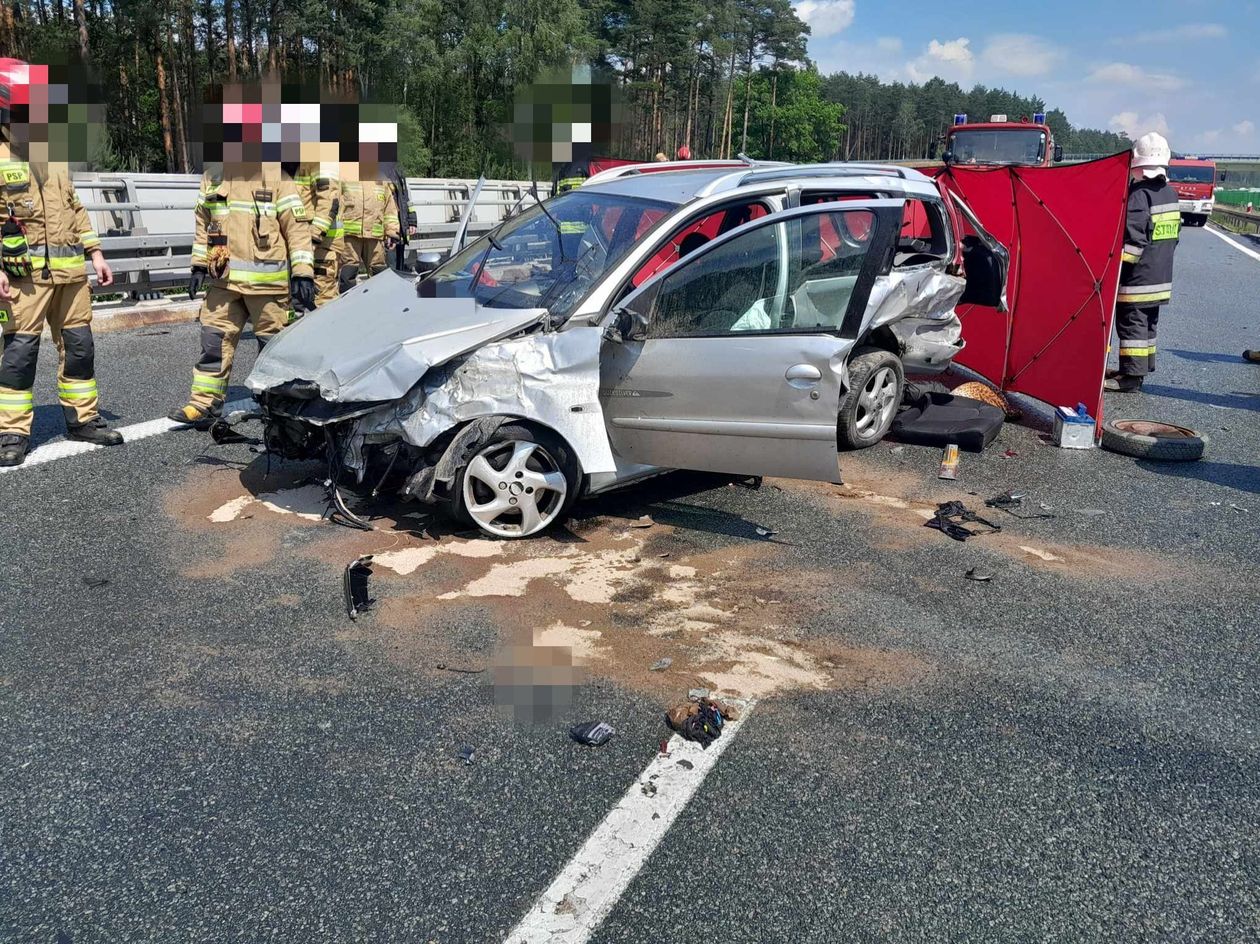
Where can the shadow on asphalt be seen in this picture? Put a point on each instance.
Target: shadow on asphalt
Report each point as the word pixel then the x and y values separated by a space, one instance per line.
pixel 1204 357
pixel 1244 478
pixel 1233 401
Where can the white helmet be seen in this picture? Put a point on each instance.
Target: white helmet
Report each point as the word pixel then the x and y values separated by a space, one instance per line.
pixel 1151 155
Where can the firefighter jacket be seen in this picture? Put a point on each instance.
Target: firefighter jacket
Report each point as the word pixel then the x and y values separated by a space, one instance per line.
pixel 1150 239
pixel 252 234
pixel 43 226
pixel 320 191
pixel 369 208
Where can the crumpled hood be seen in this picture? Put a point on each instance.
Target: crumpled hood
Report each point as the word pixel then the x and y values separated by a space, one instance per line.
pixel 376 341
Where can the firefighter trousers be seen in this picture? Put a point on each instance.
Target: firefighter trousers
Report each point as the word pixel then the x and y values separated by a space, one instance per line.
pixel 326 271
pixel 67 310
pixel 366 253
pixel 224 314
pixel 1135 325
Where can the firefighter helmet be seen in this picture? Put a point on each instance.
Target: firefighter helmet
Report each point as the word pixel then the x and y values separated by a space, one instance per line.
pixel 1151 155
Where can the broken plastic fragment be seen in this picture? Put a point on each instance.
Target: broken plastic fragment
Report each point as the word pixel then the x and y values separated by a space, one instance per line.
pixel 354 586
pixel 978 577
pixel 643 522
pixel 466 754
pixel 593 733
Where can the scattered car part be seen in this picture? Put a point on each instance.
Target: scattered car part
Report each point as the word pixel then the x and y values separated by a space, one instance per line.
pixel 592 733
pixel 951 518
pixel 517 483
pixel 949 462
pixel 1073 428
pixel 766 532
pixel 223 429
pixel 978 577
pixel 340 513
pixel 937 419
pixel 643 521
pixel 869 405
pixel 1158 442
pixel 354 586
pixel 1009 501
pixel 95 583
pixel 466 754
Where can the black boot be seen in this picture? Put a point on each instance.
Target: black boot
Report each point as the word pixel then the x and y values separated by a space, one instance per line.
pixel 1252 356
pixel 13 448
pixel 95 432
pixel 1125 383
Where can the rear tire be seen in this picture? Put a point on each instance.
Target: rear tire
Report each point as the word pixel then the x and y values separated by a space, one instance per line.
pixel 517 484
pixel 869 406
pixel 1156 442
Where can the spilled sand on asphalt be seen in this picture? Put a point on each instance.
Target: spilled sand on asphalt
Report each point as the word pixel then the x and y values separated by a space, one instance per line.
pixel 618 595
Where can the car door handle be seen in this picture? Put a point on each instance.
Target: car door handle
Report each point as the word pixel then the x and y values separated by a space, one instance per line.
pixel 805 372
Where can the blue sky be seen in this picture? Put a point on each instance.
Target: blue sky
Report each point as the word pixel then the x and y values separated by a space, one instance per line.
pixel 1189 69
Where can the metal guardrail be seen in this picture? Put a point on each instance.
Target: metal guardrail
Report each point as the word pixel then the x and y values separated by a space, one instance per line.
pixel 1248 222
pixel 146 222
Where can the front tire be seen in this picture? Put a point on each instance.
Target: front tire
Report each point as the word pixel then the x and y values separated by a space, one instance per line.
pixel 517 484
pixel 869 406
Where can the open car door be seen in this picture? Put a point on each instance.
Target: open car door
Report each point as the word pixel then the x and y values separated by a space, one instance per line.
pixel 733 359
pixel 986 262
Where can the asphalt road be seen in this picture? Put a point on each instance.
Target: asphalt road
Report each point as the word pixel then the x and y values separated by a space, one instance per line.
pixel 199 746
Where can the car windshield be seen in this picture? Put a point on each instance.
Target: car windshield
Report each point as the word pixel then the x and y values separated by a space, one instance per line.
pixel 547 259
pixel 1004 146
pixel 1191 174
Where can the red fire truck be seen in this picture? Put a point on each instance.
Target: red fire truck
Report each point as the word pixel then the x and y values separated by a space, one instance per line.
pixel 999 141
pixel 1195 183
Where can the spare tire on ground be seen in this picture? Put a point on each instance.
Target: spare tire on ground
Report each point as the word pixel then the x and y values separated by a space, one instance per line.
pixel 1159 442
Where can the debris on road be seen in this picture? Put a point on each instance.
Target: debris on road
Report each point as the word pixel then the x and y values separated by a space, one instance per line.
pixel 949 463
pixel 766 532
pixel 660 665
pixel 700 721
pixel 978 577
pixel 592 733
pixel 459 669
pixel 1008 501
pixel 1039 553
pixel 95 583
pixel 951 517
pixel 466 754
pixel 354 585
pixel 642 522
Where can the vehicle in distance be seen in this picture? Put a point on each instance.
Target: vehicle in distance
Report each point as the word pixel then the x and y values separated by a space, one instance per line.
pixel 1195 183
pixel 999 141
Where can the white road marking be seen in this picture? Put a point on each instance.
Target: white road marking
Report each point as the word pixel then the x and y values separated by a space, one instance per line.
pixel 1239 246
pixel 65 448
pixel 587 888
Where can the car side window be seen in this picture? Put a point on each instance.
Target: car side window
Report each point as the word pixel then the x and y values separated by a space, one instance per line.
pixel 792 276
pixel 695 234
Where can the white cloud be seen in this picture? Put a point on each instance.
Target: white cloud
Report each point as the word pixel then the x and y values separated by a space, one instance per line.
pixel 952 59
pixel 1127 74
pixel 826 17
pixel 1184 33
pixel 1135 127
pixel 1019 54
pixel 1245 128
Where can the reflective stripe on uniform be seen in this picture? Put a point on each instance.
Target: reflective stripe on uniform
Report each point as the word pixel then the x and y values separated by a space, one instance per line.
pixel 569 227
pixel 570 183
pixel 1131 253
pixel 1165 208
pixel 200 251
pixel 1144 298
pixel 208 383
pixel 19 401
pixel 290 202
pixel 354 228
pixel 301 257
pixel 77 389
pixel 320 222
pixel 60 257
pixel 378 230
pixel 262 272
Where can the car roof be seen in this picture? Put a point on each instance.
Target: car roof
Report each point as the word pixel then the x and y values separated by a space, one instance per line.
pixel 683 184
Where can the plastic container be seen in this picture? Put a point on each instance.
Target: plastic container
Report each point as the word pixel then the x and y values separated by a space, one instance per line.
pixel 1074 429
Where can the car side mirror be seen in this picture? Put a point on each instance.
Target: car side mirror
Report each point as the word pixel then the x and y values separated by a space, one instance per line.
pixel 1058 153
pixel 426 262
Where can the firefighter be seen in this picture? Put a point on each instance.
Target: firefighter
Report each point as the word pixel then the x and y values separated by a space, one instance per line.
pixel 253 248
pixel 320 190
pixel 1152 230
pixel 370 215
pixel 45 234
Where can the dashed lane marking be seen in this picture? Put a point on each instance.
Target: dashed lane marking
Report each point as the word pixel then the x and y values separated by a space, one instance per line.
pixel 1239 246
pixel 587 888
pixel 65 448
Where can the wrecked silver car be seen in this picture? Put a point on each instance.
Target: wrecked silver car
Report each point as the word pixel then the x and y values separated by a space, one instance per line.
pixel 749 321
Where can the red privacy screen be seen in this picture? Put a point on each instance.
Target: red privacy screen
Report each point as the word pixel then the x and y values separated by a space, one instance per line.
pixel 1064 227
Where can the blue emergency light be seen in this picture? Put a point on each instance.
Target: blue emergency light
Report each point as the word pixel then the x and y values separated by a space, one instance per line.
pixel 960 119
pixel 1039 118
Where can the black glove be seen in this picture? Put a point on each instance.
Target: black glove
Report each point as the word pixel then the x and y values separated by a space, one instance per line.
pixel 196 281
pixel 303 290
pixel 391 242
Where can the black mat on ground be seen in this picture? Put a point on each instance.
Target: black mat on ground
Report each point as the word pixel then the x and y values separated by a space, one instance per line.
pixel 938 419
